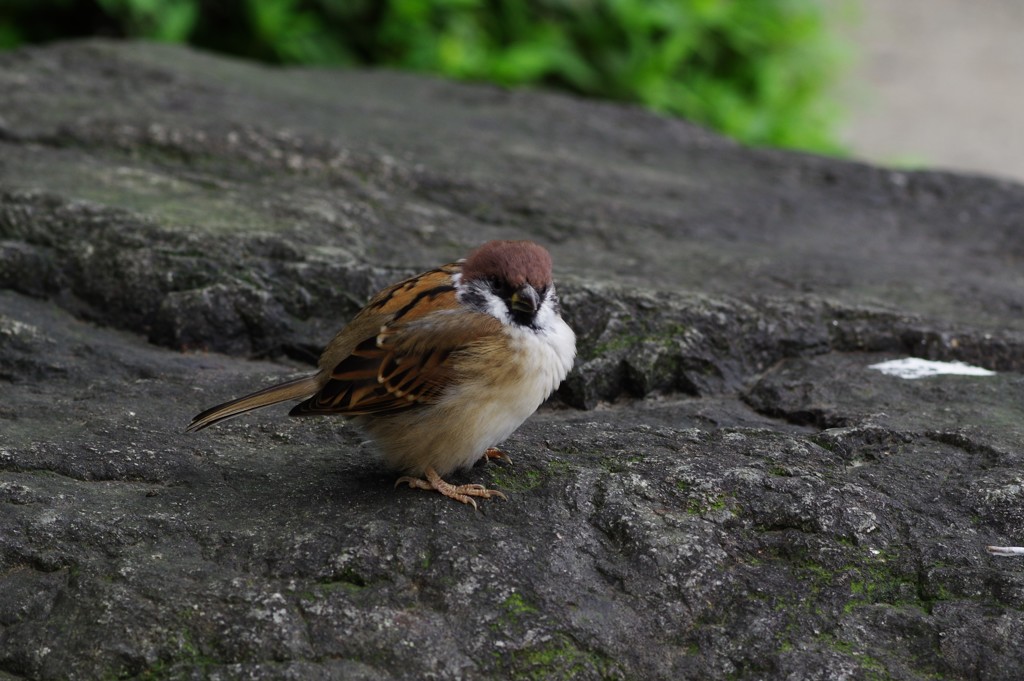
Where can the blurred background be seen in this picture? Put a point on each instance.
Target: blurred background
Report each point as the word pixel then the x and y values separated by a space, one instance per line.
pixel 913 83
pixel 936 83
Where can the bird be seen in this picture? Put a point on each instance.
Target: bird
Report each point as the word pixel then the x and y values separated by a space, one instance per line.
pixel 440 368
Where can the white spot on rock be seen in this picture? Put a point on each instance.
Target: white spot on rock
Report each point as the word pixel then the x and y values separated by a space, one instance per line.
pixel 913 367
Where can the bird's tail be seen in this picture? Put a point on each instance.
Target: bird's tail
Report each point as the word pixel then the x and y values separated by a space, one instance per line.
pixel 292 390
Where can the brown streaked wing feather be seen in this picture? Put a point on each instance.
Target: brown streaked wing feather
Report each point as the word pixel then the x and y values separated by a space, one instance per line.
pixel 415 363
pixel 407 299
pixel 410 361
pixel 400 298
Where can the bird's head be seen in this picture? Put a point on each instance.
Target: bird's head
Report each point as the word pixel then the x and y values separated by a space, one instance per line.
pixel 510 280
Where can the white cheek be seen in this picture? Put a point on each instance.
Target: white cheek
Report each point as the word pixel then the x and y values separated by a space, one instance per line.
pixel 492 304
pixel 496 308
pixel 546 316
pixel 548 350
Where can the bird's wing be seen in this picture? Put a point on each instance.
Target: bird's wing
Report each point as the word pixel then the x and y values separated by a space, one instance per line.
pixel 406 300
pixel 410 358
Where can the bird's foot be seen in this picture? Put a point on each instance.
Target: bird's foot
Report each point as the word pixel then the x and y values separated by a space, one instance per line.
pixel 463 493
pixel 495 453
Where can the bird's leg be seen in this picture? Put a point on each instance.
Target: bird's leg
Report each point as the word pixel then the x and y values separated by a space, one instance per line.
pixel 463 493
pixel 495 453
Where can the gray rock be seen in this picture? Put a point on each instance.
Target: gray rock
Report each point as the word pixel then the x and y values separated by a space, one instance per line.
pixel 720 490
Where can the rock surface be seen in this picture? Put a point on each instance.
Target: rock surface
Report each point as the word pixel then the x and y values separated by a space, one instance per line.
pixel 721 489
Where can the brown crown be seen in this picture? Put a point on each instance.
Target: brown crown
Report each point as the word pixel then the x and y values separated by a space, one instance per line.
pixel 514 262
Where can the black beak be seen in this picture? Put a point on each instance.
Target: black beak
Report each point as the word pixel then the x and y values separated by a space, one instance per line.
pixel 525 300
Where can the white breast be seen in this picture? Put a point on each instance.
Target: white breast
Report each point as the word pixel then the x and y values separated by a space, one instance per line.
pixel 493 412
pixel 546 353
pixel 499 390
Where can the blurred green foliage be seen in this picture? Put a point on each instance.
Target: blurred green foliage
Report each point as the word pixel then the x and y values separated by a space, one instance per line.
pixel 758 70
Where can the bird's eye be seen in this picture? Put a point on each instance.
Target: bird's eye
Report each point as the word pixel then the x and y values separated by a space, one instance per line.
pixel 500 287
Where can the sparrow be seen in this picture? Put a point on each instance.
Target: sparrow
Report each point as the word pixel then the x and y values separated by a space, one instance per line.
pixel 441 367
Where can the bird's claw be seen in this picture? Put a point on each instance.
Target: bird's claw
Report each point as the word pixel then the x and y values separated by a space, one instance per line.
pixel 461 493
pixel 495 453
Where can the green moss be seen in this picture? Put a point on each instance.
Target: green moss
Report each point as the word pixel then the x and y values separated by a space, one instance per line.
pixel 619 464
pixel 874 669
pixel 515 479
pixel 879 581
pixel 559 658
pixel 820 572
pixel 189 656
pixel 515 605
pixel 347 580
pixel 512 611
pixel 825 442
pixel 662 336
pixel 159 670
pixel 560 468
pixel 715 504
